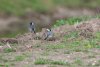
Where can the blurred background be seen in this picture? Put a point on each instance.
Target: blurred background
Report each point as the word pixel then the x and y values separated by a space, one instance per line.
pixel 16 14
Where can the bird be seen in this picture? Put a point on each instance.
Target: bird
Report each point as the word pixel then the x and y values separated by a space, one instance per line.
pixel 32 28
pixel 48 34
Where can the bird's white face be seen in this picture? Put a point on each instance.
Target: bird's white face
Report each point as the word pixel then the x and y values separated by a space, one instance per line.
pixel 48 29
pixel 32 23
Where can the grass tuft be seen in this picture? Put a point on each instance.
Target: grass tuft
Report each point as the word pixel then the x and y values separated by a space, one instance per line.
pixel 8 50
pixel 78 61
pixel 42 61
pixel 19 58
pixel 73 20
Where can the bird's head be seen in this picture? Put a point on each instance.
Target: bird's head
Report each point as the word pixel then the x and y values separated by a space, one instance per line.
pixel 31 23
pixel 48 30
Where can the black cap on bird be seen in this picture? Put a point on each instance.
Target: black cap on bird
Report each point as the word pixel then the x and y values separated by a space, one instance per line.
pixel 32 27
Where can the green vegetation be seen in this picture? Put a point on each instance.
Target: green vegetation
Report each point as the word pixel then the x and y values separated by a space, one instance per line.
pixel 7 50
pixel 12 34
pixel 78 61
pixel 74 20
pixel 20 58
pixel 56 46
pixel 9 35
pixel 69 21
pixel 1 65
pixel 1 44
pixel 73 43
pixel 10 59
pixel 73 34
pixel 42 61
pixel 20 7
pixel 91 56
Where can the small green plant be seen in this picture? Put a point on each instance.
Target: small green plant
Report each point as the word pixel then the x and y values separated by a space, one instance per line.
pixel 37 45
pixel 7 50
pixel 5 65
pixel 71 35
pixel 97 35
pixel 74 20
pixel 1 44
pixel 78 61
pixel 42 61
pixel 67 52
pixel 59 63
pixel 1 65
pixel 75 44
pixel 77 50
pixel 45 53
pixel 19 58
pixel 69 21
pixel 57 46
pixel 91 56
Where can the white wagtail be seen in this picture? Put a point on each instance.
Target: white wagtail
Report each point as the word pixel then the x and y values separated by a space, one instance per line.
pixel 32 27
pixel 48 34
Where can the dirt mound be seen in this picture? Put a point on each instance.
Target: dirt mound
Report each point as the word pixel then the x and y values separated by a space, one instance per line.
pixel 85 29
pixel 93 24
pixel 88 28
